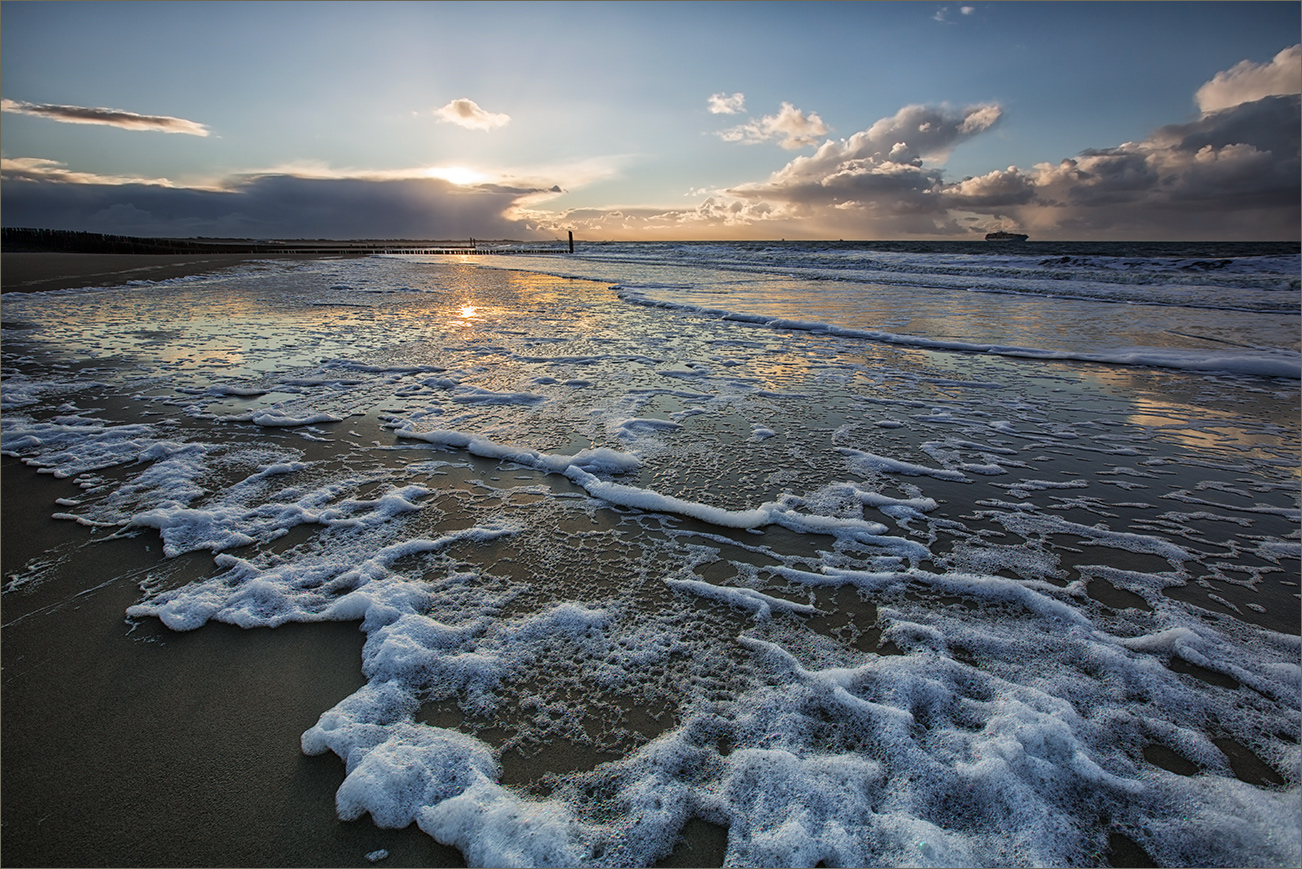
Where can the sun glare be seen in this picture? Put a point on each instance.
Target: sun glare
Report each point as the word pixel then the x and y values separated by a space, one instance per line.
pixel 460 175
pixel 467 311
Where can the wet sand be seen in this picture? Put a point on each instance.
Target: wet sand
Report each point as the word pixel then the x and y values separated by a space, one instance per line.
pixel 127 744
pixel 131 745
pixel 22 272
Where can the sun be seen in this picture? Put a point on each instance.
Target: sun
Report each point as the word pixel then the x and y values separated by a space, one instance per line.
pixel 459 175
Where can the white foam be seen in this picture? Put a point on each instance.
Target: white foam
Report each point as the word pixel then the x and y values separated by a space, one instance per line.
pixel 493 827
pixel 600 460
pixel 761 604
pixel 871 462
pixel 276 418
pixel 1025 524
pixel 638 425
pixel 477 395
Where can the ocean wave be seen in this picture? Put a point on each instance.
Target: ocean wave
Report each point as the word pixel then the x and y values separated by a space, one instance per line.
pixel 1259 363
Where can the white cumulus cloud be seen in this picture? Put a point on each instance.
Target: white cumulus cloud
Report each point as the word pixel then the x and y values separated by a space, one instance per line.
pixel 723 104
pixel 790 125
pixel 911 135
pixel 1247 81
pixel 468 114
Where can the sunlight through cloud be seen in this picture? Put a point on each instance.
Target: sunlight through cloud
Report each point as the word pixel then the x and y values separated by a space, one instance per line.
pixel 459 175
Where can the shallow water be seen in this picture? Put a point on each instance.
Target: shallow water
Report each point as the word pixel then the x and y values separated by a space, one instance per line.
pixel 783 563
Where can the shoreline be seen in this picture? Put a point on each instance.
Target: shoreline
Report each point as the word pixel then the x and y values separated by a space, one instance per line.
pixel 35 272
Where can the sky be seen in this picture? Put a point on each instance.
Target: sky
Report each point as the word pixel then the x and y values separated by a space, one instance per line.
pixel 653 121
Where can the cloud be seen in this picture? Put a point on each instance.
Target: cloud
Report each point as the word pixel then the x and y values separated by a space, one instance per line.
pixel 715 217
pixel 38 170
pixel 271 206
pixel 873 184
pixel 722 104
pixel 468 114
pixel 994 190
pixel 793 127
pixel 888 156
pixel 942 14
pixel 1247 81
pixel 105 117
pixel 302 199
pixel 1233 173
pixel 571 174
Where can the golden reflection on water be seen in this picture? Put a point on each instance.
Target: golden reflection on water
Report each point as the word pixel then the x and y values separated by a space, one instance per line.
pixel 1198 426
pixel 1187 419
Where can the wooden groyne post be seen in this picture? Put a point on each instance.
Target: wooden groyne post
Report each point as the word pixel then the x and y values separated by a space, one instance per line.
pixel 571 241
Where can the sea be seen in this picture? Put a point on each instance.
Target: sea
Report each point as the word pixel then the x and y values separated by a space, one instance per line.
pixel 840 553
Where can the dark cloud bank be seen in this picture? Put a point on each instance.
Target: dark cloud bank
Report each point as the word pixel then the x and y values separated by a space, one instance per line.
pixel 274 206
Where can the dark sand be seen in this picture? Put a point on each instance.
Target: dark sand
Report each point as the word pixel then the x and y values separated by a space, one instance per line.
pixel 132 745
pixel 35 272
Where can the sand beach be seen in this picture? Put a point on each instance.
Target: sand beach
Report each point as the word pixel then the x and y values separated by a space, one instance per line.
pixel 35 271
pixel 119 752
pixel 575 566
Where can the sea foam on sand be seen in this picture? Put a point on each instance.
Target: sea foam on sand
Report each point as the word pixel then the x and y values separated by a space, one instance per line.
pixel 874 638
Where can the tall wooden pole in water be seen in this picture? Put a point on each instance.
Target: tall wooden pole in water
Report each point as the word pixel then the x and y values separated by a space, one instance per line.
pixel 571 241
